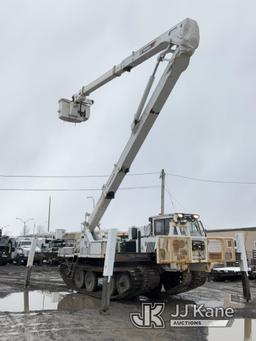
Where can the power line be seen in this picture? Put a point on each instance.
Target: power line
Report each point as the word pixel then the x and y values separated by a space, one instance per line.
pixel 173 206
pixel 52 176
pixel 172 196
pixel 212 180
pixel 70 189
pixel 72 176
pixel 145 173
pixel 205 180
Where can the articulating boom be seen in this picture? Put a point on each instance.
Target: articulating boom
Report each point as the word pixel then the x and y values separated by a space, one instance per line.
pixel 181 41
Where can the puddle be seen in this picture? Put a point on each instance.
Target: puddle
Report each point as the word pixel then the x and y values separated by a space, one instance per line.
pixel 29 301
pixel 241 330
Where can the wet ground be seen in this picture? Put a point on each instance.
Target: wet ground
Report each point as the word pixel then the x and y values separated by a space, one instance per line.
pixel 48 311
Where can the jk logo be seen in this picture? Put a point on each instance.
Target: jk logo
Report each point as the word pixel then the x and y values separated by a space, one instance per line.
pixel 150 316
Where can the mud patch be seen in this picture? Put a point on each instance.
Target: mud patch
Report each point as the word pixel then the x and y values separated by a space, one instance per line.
pixel 53 313
pixel 39 301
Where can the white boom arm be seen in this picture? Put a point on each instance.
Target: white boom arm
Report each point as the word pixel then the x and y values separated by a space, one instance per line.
pixel 181 40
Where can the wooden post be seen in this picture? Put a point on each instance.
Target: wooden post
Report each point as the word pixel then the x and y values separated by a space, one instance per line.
pixel 105 299
pixel 247 330
pixel 243 266
pixel 108 270
pixel 26 301
pixel 30 262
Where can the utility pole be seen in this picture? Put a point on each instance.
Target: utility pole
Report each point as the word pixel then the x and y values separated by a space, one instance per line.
pixel 162 177
pixel 24 225
pixel 49 213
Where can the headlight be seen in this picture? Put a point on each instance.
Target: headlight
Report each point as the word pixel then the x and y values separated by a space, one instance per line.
pixel 196 216
pixel 198 245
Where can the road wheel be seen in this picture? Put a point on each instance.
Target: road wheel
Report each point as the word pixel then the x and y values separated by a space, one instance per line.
pixel 91 281
pixel 123 282
pixel 79 278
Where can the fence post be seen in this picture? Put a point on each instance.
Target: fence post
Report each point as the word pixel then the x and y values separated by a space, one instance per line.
pixel 108 269
pixel 243 266
pixel 30 262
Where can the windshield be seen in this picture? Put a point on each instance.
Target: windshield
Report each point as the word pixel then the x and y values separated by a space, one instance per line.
pixel 25 243
pixel 194 228
pixel 3 241
pixel 56 244
pixel 184 227
pixel 190 228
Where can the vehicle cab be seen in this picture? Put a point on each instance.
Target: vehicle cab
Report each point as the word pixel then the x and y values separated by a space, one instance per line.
pixel 182 224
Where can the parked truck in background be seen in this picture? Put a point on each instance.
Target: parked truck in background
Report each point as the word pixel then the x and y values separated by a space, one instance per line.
pixel 23 245
pixel 7 249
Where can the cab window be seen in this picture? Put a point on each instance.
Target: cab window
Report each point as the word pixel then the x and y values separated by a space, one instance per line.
pixel 160 227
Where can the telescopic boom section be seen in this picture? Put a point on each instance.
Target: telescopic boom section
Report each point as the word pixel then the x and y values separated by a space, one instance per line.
pixel 181 41
pixel 185 35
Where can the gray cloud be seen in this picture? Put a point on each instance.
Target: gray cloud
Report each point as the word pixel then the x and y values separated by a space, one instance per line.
pixel 206 129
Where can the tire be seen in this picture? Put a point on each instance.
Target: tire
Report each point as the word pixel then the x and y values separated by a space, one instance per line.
pixel 79 278
pixel 90 281
pixel 123 282
pixel 19 262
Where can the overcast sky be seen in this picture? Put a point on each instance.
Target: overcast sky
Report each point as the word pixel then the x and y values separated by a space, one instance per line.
pixel 49 49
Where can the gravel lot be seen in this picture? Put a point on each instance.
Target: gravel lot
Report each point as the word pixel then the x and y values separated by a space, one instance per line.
pixel 77 317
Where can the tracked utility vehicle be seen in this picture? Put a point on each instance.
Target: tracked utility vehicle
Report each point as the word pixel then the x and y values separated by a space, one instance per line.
pixel 172 252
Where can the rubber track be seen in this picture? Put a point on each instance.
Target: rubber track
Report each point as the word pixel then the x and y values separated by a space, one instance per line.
pixel 143 280
pixel 182 287
pixel 198 279
pixel 137 284
pixel 195 280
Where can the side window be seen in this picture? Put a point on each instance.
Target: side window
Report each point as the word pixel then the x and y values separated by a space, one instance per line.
pixel 167 226
pixel 159 227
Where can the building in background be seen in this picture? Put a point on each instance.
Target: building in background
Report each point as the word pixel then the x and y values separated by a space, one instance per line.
pixel 249 239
